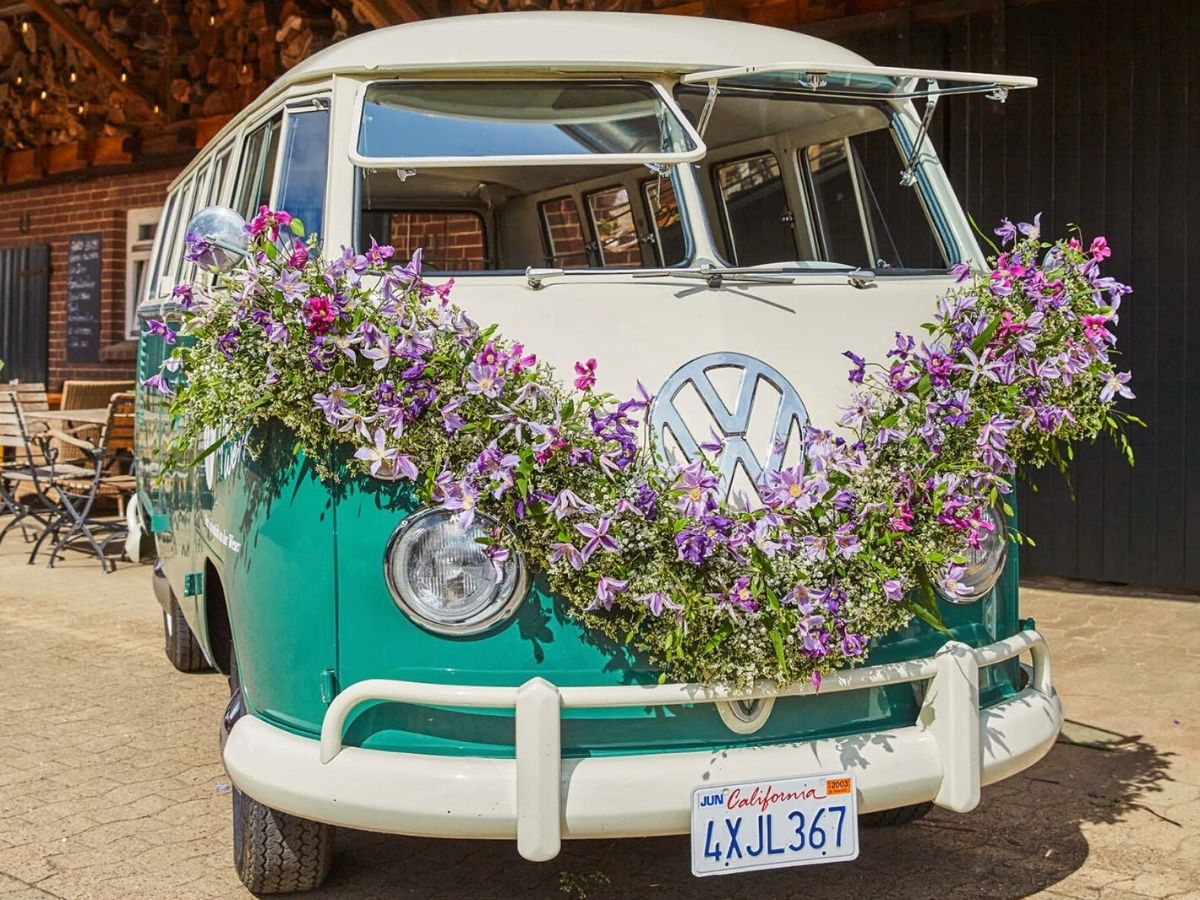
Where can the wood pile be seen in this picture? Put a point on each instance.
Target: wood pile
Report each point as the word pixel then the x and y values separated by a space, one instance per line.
pixel 115 80
pixel 179 62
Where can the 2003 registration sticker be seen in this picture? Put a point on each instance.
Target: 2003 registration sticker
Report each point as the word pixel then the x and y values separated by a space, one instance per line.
pixel 772 824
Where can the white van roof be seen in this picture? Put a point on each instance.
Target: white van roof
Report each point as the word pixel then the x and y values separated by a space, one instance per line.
pixel 570 40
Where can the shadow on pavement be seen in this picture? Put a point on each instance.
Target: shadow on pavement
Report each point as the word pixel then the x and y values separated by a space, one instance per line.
pixel 1025 836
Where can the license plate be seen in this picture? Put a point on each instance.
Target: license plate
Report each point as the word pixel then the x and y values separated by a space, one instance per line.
pixel 771 824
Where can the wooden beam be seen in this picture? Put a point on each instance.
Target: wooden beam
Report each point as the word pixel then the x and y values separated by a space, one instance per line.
pixel 62 22
pixel 382 13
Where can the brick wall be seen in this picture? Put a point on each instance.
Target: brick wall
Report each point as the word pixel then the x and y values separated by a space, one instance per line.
pixel 448 241
pixel 51 214
pixel 568 243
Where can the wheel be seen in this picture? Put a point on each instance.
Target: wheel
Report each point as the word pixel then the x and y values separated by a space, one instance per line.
pixel 278 853
pixel 901 815
pixel 179 641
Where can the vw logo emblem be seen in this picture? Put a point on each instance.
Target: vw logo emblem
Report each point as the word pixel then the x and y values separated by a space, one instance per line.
pixel 733 424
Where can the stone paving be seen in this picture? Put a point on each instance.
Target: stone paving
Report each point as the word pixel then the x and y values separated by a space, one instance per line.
pixel 111 785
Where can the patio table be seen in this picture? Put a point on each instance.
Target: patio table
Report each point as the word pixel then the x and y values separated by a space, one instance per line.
pixel 81 416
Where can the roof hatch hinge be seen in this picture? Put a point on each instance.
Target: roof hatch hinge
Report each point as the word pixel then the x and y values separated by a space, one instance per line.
pixel 709 102
pixel 908 177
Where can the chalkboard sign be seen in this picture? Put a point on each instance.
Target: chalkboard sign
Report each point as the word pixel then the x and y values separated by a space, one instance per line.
pixel 83 298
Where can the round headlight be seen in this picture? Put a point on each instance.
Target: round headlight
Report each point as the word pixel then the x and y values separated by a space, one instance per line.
pixel 984 564
pixel 439 575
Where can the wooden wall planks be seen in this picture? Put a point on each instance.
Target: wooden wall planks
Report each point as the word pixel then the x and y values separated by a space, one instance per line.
pixel 1106 143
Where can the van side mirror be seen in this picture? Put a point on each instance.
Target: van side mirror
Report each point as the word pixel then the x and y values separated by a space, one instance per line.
pixel 217 238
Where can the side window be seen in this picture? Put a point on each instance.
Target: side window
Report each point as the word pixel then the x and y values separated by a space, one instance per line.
pixel 186 271
pixel 669 246
pixel 566 243
pixel 305 159
pixel 175 247
pixel 615 230
pixel 162 248
pixel 215 194
pixel 140 228
pixel 754 210
pixel 257 169
pixel 449 241
pixel 836 203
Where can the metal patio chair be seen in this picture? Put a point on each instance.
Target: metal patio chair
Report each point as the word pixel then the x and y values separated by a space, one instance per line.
pixel 78 488
pixel 26 491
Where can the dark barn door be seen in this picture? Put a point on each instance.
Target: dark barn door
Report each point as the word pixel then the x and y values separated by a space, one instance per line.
pixel 24 312
pixel 1108 141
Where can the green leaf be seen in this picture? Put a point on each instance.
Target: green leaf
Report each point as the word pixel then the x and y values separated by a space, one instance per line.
pixel 719 638
pixel 779 654
pixel 980 342
pixel 297 227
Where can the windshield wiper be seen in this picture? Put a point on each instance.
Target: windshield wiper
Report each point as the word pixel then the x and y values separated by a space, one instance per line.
pixel 713 276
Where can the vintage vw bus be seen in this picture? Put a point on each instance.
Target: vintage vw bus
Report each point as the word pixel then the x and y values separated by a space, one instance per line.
pixel 716 209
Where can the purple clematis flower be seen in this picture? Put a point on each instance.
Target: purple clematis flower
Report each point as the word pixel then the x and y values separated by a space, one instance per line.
pixel 157 382
pixel 846 541
pixel 379 454
pixel 656 602
pixel 333 404
pixel 563 550
pixel 696 484
pixel 893 589
pixel 606 592
pixel 567 503
pixel 598 537
pixel 484 380
pixel 496 554
pixel 461 498
pixel 291 284
pixel 741 596
pixel 1007 232
pixel 228 342
pixel 951 582
pixel 183 293
pixel 860 366
pixel 1116 384
pixel 162 329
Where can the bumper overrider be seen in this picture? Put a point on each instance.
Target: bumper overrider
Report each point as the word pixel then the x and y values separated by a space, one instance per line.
pixel 538 797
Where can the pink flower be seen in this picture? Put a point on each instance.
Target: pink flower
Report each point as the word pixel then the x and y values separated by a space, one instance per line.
pixel 268 220
pixel 518 360
pixel 299 257
pixel 319 314
pixel 1093 328
pixel 585 375
pixel 1099 249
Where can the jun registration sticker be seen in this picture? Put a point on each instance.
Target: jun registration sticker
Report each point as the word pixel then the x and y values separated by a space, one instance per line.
pixel 772 824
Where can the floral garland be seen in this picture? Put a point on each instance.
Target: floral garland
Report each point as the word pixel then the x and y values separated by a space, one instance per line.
pixel 1016 367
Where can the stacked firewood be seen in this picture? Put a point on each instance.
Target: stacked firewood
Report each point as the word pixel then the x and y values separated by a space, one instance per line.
pixel 186 60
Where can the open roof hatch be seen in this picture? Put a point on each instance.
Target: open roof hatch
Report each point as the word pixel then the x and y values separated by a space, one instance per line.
pixel 856 82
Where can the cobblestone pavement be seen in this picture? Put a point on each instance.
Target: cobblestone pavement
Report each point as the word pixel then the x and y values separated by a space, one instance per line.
pixel 111 784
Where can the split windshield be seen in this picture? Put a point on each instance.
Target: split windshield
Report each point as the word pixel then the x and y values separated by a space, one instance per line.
pixel 501 176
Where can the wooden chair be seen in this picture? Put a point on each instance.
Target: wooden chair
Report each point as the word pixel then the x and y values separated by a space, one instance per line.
pixel 86 395
pixel 78 488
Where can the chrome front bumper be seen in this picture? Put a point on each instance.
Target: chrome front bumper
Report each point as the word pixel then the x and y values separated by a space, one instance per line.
pixel 538 797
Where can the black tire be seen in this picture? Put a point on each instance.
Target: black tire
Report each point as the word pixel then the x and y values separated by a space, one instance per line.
pixel 179 641
pixel 901 815
pixel 278 853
